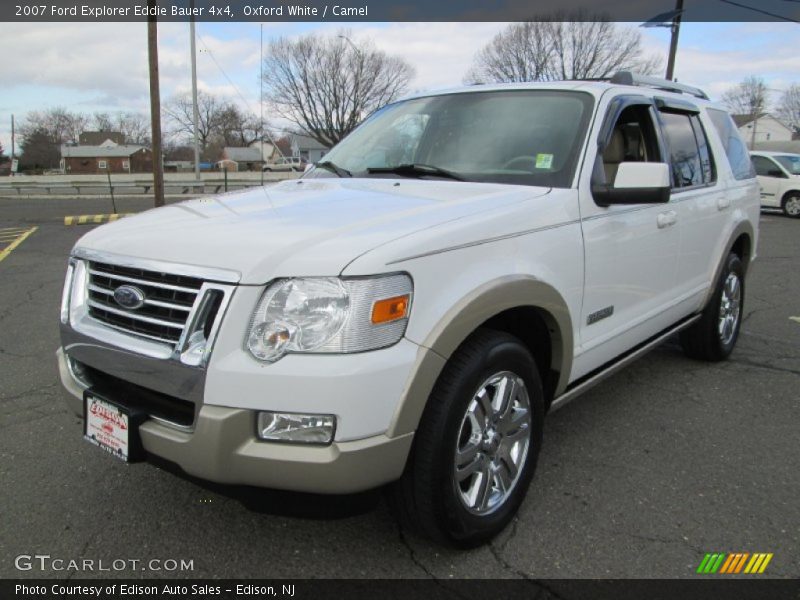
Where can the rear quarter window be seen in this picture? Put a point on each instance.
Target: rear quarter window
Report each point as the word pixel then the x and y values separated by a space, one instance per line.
pixel 735 148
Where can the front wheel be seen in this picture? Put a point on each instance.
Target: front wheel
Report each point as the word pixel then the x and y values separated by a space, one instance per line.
pixel 714 335
pixel 791 205
pixel 476 448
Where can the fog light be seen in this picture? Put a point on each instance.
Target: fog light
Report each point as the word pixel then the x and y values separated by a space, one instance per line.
pixel 295 427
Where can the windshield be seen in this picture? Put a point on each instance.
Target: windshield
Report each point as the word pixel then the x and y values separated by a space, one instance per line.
pixel 790 162
pixel 527 137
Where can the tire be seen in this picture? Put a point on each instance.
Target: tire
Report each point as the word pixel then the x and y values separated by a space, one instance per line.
pixel 429 496
pixel 714 336
pixel 791 205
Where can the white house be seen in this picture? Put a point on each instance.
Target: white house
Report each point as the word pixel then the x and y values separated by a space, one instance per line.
pixel 307 148
pixel 767 129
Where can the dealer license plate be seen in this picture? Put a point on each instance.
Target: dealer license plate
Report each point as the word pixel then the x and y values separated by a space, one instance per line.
pixel 108 426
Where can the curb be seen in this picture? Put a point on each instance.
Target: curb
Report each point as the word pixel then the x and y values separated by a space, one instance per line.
pixel 92 219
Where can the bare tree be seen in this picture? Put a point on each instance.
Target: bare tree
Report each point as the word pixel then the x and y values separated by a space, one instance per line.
pixel 789 107
pixel 521 52
pixel 179 112
pixel 750 97
pixel 57 124
pixel 134 126
pixel 327 85
pixel 561 45
pixel 236 127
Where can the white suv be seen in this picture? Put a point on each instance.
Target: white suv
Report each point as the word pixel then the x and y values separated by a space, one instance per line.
pixel 409 310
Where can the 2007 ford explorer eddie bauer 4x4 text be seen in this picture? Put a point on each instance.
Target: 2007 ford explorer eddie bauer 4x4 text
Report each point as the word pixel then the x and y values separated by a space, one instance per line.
pixel 410 309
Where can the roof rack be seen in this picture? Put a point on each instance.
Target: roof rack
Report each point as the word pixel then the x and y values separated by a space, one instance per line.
pixel 628 78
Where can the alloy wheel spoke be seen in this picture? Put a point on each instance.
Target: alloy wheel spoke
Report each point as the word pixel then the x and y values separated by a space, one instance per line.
pixel 469 467
pixel 483 489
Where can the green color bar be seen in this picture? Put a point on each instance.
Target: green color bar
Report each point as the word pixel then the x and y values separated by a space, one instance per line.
pixel 718 563
pixel 702 566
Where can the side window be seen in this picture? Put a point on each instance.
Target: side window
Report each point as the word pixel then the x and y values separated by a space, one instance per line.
pixel 684 153
pixel 706 159
pixel 735 148
pixel 765 167
pixel 633 139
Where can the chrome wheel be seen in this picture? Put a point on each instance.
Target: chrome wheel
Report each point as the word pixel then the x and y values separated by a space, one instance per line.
pixel 729 309
pixel 492 443
pixel 792 206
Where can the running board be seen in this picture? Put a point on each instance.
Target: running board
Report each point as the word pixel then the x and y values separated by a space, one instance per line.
pixel 617 364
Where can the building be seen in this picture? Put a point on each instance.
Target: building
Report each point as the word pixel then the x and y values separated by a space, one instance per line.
pixel 307 148
pixel 767 129
pixel 101 138
pixel 107 158
pixel 241 159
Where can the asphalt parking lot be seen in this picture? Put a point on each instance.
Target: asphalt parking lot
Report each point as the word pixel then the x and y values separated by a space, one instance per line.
pixel 664 462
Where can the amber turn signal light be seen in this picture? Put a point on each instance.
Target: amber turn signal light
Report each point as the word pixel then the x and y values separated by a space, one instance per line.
pixel 390 309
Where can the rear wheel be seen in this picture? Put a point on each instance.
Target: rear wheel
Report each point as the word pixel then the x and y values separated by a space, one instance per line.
pixel 791 205
pixel 477 444
pixel 713 337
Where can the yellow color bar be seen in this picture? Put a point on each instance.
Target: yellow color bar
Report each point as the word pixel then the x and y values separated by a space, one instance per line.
pixel 757 558
pixel 765 563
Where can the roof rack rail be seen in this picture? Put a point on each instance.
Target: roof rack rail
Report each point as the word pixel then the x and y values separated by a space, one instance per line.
pixel 628 78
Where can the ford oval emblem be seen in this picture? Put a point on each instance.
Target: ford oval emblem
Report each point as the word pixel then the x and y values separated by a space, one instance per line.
pixel 129 296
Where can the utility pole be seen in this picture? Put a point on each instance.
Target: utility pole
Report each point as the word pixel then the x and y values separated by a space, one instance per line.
pixel 261 105
pixel 155 103
pixel 13 148
pixel 673 44
pixel 195 110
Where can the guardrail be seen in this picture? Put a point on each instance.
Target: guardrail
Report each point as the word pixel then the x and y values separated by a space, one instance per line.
pixel 215 186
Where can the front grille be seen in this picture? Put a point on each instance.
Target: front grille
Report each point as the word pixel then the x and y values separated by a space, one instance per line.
pixel 168 301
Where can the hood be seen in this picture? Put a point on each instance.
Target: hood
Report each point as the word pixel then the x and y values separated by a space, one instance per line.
pixel 301 227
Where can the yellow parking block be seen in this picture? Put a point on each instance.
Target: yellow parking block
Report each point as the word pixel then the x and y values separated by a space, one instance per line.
pixel 16 241
pixel 93 219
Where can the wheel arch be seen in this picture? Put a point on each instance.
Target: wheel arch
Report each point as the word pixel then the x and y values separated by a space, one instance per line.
pixel 523 306
pixel 741 243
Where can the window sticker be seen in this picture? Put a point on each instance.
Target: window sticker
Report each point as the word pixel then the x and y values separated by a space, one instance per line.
pixel 544 161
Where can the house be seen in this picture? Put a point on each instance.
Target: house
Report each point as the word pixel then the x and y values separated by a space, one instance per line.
pixel 767 129
pixel 307 148
pixel 100 138
pixel 241 159
pixel 107 158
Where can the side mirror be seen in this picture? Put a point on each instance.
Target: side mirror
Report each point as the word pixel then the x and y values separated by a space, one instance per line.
pixel 776 173
pixel 635 183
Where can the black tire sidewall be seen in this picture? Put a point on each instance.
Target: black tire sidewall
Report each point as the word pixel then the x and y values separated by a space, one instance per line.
pixel 462 527
pixel 733 264
pixel 786 201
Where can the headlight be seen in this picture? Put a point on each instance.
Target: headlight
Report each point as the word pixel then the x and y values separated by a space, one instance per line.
pixel 329 315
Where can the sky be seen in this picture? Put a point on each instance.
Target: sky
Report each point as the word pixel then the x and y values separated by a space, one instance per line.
pixel 92 67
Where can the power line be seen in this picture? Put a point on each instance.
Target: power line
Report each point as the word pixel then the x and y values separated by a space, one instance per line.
pixel 763 12
pixel 235 87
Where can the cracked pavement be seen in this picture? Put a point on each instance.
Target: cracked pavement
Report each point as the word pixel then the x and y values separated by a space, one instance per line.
pixel 665 461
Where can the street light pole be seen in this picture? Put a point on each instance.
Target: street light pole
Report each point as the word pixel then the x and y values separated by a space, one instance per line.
pixel 195 110
pixel 673 44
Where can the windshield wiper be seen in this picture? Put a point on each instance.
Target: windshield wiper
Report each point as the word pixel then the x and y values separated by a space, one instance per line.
pixel 333 168
pixel 417 169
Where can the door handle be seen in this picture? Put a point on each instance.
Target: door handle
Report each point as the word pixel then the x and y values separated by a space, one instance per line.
pixel 666 219
pixel 723 203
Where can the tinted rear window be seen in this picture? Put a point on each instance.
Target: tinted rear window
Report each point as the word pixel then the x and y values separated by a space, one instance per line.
pixel 735 148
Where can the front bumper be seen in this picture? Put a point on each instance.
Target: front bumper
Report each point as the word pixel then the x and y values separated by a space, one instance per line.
pixel 221 446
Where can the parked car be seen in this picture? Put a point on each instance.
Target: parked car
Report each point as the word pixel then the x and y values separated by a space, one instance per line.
pixel 409 310
pixel 779 180
pixel 287 163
